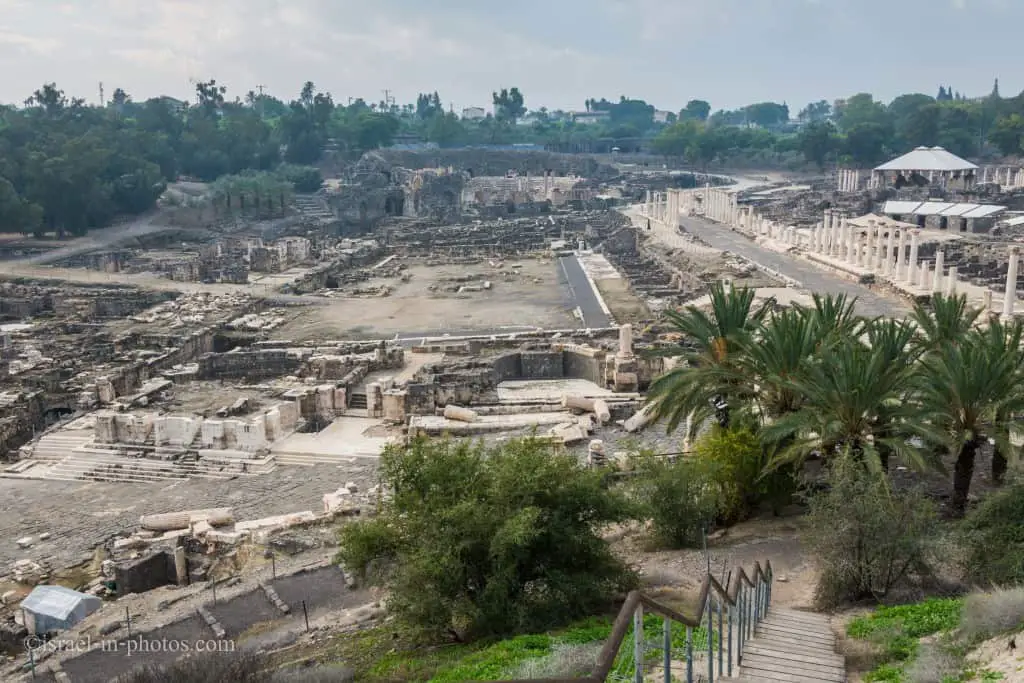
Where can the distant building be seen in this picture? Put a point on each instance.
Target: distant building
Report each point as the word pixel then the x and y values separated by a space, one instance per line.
pixel 591 117
pixel 661 116
pixel 173 103
pixel 474 113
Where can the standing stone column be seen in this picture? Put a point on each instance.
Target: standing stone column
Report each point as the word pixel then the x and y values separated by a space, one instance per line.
pixel 874 238
pixel 819 242
pixel 922 279
pixel 912 262
pixel 852 245
pixel 625 341
pixel 901 256
pixel 1010 298
pixel 887 269
pixel 951 281
pixel 940 265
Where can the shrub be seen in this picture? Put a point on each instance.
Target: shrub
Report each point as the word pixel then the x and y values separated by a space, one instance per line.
pixel 737 458
pixel 566 660
pixel 681 499
pixel 487 541
pixel 990 613
pixel 934 664
pixel 303 178
pixel 867 538
pixel 993 538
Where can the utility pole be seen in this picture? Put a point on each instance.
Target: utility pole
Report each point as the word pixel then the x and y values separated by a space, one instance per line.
pixel 260 89
pixel 102 101
pixel 388 99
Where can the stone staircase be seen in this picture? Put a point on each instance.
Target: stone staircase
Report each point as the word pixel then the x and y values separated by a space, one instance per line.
pixel 314 206
pixel 70 457
pixel 792 647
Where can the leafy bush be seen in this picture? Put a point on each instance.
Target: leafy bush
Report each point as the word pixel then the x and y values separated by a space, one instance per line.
pixel 867 538
pixel 485 541
pixel 737 458
pixel 993 538
pixel 303 178
pixel 681 498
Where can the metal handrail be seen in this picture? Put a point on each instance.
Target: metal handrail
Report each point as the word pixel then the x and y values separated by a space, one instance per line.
pixel 743 605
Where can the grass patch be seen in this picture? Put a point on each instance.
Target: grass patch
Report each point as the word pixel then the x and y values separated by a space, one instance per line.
pixel 897 631
pixel 380 654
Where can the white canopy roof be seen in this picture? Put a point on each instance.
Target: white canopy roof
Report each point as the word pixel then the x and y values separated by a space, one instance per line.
pixel 927 159
pixel 939 208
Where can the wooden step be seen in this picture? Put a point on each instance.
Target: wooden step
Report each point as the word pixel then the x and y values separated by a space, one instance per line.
pixel 823 634
pixel 769 650
pixel 808 668
pixel 784 645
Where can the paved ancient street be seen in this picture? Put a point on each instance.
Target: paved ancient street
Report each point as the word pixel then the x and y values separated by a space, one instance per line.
pixel 869 302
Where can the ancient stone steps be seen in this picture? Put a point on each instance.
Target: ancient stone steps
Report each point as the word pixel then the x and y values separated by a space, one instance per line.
pixel 309 459
pixel 112 467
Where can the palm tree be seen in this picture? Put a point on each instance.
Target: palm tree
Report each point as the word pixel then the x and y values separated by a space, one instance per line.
pixel 965 389
pixel 853 399
pixel 773 354
pixel 835 317
pixel 947 321
pixel 693 386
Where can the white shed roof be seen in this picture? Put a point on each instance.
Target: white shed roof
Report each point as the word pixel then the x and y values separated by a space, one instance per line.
pixel 934 208
pixel 1016 220
pixel 927 159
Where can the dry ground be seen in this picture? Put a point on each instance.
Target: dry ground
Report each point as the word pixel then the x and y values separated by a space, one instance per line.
pixel 536 298
pixel 626 307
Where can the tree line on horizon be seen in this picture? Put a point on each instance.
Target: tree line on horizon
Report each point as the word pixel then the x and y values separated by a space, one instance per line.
pixel 66 166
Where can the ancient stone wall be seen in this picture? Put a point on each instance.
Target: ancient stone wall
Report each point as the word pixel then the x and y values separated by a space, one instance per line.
pixel 145 574
pixel 249 365
pixel 486 162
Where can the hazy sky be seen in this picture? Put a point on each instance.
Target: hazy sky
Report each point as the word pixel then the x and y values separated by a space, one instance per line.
pixel 559 52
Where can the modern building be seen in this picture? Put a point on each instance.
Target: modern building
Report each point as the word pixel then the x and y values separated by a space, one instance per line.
pixel 591 117
pixel 474 113
pixel 926 166
pixel 941 215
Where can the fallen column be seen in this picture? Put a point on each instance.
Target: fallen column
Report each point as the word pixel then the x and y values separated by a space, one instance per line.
pixel 460 414
pixel 591 405
pixel 640 419
pixel 173 521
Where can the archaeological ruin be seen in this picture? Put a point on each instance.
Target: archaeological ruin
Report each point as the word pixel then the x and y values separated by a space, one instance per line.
pixel 221 378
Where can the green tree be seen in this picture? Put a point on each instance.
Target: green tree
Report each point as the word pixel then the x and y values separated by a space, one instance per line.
pixel 446 130
pixel 962 388
pixel 482 541
pixel 696 110
pixel 1008 134
pixel 709 370
pixel 508 104
pixel 817 141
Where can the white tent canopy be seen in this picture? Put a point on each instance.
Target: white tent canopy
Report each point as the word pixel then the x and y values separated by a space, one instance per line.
pixel 928 159
pixel 55 608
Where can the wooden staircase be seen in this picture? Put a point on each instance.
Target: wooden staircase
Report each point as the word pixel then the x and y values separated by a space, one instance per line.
pixel 791 646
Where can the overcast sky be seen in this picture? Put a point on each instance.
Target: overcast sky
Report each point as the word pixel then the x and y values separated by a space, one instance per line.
pixel 559 52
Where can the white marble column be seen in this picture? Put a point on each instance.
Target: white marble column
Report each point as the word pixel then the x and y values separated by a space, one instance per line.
pixel 912 261
pixel 923 275
pixel 901 256
pixel 951 281
pixel 940 267
pixel 1010 298
pixel 852 245
pixel 875 241
pixel 890 246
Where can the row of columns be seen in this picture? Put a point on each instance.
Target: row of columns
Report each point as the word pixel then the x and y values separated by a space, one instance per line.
pixel 884 251
pixel 1007 177
pixel 848 180
pixel 720 205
